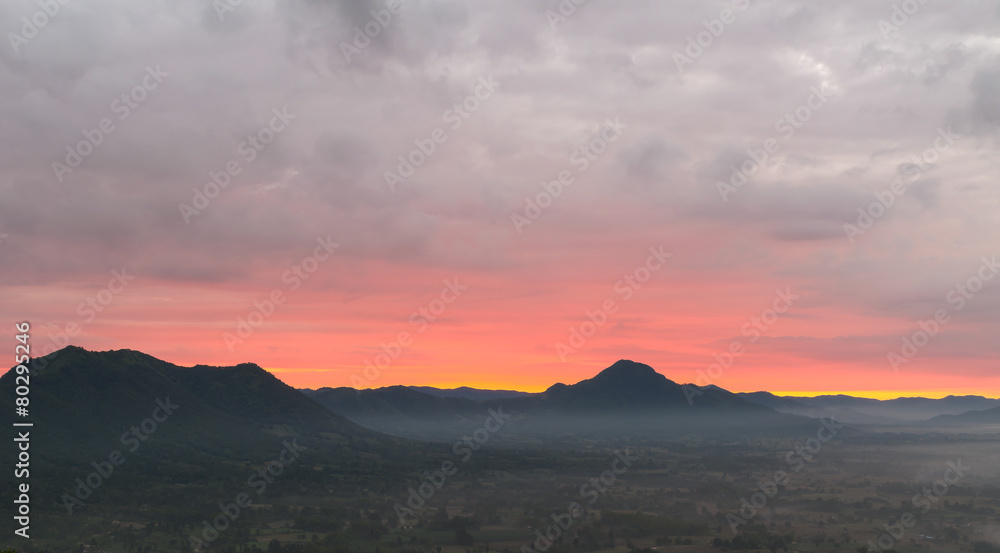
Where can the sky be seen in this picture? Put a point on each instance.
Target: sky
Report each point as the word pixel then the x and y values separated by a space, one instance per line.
pixel 794 196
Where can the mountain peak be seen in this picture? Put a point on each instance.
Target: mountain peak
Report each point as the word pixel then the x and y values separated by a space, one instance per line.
pixel 626 383
pixel 626 369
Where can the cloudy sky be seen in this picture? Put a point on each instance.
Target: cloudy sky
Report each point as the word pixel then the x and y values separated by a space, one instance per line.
pixel 117 116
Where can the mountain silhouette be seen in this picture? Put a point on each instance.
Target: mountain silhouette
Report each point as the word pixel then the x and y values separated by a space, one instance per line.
pixel 989 417
pixel 174 424
pixel 858 410
pixel 470 393
pixel 628 386
pixel 627 398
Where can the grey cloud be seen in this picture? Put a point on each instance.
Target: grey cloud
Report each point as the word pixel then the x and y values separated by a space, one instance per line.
pixel 651 158
pixel 354 118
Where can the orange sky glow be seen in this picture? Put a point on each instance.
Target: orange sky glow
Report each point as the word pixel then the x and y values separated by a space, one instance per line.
pixel 550 169
pixel 681 321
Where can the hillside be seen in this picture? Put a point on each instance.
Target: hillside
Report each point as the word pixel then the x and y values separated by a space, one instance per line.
pixel 205 427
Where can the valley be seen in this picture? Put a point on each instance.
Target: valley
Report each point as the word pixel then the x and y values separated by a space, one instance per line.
pixel 617 463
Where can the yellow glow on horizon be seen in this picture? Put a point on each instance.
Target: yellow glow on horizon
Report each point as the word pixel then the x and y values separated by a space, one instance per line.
pixel 278 370
pixel 487 386
pixel 887 394
pixel 343 372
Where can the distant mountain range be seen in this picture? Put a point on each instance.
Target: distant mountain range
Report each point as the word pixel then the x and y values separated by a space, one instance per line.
pixel 470 393
pixel 83 401
pixel 855 410
pixel 463 392
pixel 191 437
pixel 626 400
pixel 987 417
pixel 627 395
pixel 403 411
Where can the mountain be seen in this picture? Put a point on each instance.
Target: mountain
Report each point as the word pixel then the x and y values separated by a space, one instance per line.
pixel 857 410
pixel 470 393
pixel 404 411
pixel 628 386
pixel 84 398
pixel 989 416
pixel 916 408
pixel 770 400
pixel 633 401
pixel 462 392
pixel 627 399
pixel 849 409
pixel 203 426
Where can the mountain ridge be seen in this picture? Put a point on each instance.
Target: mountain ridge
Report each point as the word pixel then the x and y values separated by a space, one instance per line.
pixel 859 410
pixel 626 398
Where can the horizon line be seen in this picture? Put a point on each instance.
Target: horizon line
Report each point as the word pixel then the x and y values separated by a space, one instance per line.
pixel 880 395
